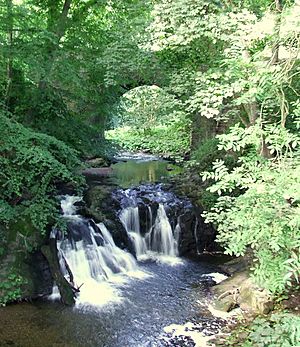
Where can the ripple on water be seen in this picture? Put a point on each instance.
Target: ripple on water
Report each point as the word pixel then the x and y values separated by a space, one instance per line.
pixel 136 312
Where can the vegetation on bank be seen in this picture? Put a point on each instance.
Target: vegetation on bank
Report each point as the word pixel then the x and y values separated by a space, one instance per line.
pixel 277 330
pixel 165 141
pixel 32 165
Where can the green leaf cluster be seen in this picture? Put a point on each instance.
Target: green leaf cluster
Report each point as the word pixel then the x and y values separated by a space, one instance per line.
pixel 278 330
pixel 10 290
pixel 263 218
pixel 32 166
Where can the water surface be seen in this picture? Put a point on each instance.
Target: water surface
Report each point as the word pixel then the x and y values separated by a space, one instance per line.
pixel 168 295
pixel 136 169
pixel 129 308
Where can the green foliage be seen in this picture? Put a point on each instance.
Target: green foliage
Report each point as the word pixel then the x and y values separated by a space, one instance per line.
pixel 10 290
pixel 169 140
pixel 265 215
pixel 207 153
pixel 278 330
pixel 86 139
pixel 147 106
pixel 32 164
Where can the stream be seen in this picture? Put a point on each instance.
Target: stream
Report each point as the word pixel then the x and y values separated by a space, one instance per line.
pixel 151 298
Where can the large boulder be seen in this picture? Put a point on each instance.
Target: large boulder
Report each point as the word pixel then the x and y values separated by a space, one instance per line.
pixel 102 208
pixel 97 162
pixel 240 290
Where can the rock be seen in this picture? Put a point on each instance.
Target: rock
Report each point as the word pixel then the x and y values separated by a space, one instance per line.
pixel 102 208
pixel 96 162
pixel 203 235
pixel 238 264
pixel 225 304
pixel 230 285
pixel 240 290
pixel 252 298
pixel 26 274
pixel 94 173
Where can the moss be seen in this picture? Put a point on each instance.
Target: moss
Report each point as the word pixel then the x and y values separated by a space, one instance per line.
pixel 18 278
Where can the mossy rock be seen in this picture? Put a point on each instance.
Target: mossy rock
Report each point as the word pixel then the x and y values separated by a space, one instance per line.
pixel 96 199
pixel 255 299
pixel 24 227
pixel 22 266
pixel 225 304
pixel 21 274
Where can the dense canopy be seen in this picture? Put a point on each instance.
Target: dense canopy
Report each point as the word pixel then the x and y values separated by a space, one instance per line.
pixel 211 84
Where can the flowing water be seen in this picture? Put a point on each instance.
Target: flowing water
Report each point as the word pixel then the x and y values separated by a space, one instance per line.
pixel 159 237
pixel 123 301
pixel 92 256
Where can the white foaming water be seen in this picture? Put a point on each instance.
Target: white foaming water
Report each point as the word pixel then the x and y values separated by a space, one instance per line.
pixel 131 222
pixel 159 242
pixel 191 331
pixel 55 295
pixel 67 205
pixel 161 238
pixel 216 277
pixel 96 266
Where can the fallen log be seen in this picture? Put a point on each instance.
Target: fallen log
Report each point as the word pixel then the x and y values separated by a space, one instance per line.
pixel 66 290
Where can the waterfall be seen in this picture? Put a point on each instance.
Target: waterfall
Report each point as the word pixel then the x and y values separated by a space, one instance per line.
pixel 92 256
pixel 131 222
pixel 158 238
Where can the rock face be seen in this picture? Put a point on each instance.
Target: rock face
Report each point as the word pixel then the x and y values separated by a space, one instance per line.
pixel 23 274
pixel 241 291
pixel 103 202
pixel 101 207
pixel 190 185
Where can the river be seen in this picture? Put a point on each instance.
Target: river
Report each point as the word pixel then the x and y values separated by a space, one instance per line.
pixel 158 300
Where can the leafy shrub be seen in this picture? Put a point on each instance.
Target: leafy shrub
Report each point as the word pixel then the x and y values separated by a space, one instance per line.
pixel 86 139
pixel 170 141
pixel 264 217
pixel 10 289
pixel 31 166
pixel 278 330
pixel 207 152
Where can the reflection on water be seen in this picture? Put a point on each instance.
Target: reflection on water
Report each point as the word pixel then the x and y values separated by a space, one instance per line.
pixel 134 172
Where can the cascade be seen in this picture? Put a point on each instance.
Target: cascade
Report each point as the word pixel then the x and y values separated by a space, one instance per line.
pixel 154 222
pixel 160 235
pixel 90 253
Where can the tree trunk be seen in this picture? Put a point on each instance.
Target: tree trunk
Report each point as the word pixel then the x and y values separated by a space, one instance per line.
pixel 59 29
pixel 66 289
pixel 275 50
pixel 9 69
